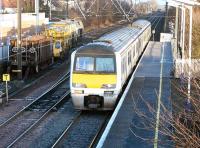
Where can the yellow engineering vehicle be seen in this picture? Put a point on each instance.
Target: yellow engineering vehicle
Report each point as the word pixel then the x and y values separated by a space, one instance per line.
pixel 65 35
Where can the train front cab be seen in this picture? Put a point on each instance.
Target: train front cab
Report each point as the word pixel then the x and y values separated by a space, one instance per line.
pixel 94 80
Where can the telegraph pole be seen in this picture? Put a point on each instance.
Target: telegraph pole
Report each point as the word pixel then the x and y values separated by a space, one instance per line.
pixel 19 54
pixel 176 31
pixel 98 13
pixel 37 16
pixel 1 32
pixel 67 8
pixel 166 14
pixel 49 9
pixel 1 6
pixel 190 53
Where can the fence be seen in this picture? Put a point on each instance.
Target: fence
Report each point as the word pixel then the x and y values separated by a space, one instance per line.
pixel 8 22
pixel 182 66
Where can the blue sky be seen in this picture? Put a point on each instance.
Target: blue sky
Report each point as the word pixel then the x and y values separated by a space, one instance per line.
pixel 161 2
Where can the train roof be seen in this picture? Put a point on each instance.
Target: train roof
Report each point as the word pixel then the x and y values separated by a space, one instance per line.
pixel 140 23
pixel 122 36
pixel 114 41
pixel 99 48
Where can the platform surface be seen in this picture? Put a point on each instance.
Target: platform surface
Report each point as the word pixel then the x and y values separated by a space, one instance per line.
pixel 134 125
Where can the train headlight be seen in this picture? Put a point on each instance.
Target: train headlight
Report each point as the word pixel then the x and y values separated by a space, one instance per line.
pixel 108 93
pixel 78 85
pixel 108 86
pixel 78 92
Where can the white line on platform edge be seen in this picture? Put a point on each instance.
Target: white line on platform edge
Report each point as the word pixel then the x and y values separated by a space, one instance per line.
pixel 159 99
pixel 112 119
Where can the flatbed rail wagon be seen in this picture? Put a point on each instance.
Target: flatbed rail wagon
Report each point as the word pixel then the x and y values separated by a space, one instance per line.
pixel 37 53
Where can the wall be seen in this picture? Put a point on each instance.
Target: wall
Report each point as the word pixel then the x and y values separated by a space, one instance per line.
pixel 195 70
pixel 8 23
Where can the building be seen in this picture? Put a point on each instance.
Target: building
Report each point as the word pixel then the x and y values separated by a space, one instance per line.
pixel 10 6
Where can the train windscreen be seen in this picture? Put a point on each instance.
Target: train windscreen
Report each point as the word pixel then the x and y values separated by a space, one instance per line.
pixel 105 65
pixel 84 64
pixel 95 65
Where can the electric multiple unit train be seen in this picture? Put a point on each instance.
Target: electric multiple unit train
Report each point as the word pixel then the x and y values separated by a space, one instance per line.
pixel 100 69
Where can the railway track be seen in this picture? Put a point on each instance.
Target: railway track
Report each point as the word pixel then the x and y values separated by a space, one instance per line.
pixel 156 20
pixel 84 130
pixel 23 121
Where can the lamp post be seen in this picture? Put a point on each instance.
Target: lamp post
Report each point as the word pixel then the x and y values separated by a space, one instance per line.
pixel 190 54
pixel 19 54
pixel 1 6
pixel 183 37
pixel 49 9
pixel 37 16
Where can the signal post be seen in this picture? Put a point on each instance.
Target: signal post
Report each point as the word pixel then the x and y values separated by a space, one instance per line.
pixel 6 78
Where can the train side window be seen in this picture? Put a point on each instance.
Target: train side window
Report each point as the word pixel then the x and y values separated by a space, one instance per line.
pixel 125 64
pixel 133 54
pixel 124 67
pixel 146 35
pixel 139 44
pixel 129 57
pixel 137 47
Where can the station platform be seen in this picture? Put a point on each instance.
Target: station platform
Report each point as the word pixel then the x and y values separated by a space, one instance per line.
pixel 134 121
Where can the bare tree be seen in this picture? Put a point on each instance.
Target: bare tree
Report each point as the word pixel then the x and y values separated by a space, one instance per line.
pixel 153 5
pixel 179 122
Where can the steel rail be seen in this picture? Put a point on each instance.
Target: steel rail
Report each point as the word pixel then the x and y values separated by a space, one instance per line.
pixel 40 119
pixel 155 20
pixel 159 19
pixel 61 80
pixel 66 130
pixel 94 140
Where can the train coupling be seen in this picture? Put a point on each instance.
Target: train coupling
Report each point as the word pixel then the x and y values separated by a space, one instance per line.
pixel 93 101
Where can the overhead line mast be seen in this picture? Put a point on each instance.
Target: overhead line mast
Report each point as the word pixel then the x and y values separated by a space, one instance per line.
pixel 37 16
pixel 19 54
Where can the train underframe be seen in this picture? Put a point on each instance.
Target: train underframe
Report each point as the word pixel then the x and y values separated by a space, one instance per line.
pixel 28 67
pixel 106 100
